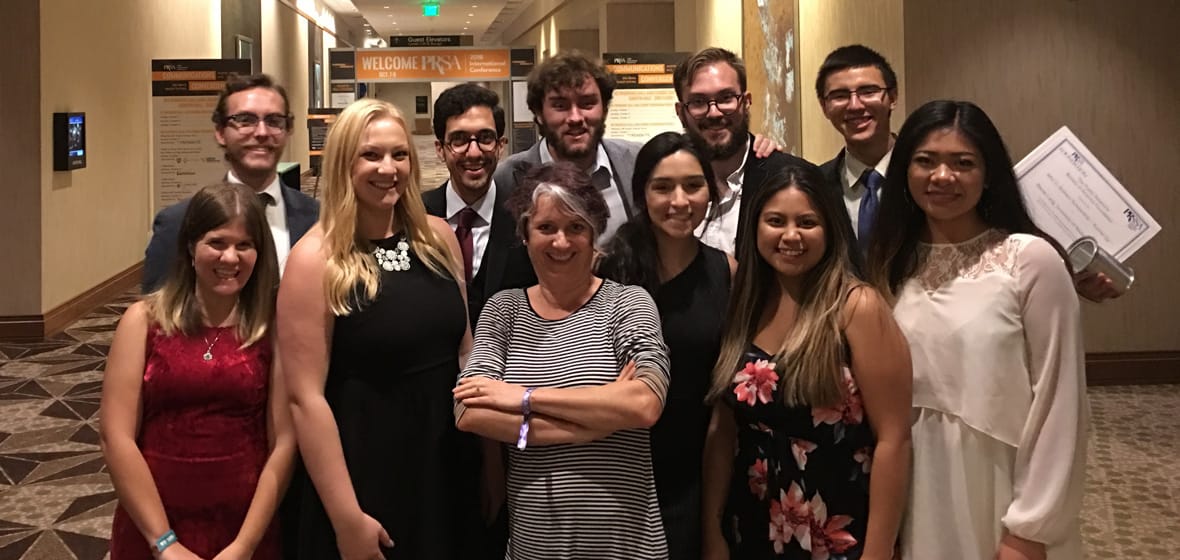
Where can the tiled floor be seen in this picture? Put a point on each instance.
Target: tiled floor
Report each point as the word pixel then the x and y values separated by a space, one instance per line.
pixel 56 499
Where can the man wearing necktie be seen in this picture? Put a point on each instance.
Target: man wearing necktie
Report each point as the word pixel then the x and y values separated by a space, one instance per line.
pixel 469 138
pixel 252 122
pixel 857 89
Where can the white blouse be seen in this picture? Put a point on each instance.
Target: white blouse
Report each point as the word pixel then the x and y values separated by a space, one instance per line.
pixel 1000 411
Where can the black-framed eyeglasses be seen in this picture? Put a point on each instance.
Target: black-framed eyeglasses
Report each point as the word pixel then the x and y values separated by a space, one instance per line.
pixel 486 140
pixel 727 103
pixel 249 121
pixel 866 94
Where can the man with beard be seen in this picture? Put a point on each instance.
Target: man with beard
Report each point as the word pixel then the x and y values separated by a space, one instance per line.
pixel 714 106
pixel 252 122
pixel 469 132
pixel 569 96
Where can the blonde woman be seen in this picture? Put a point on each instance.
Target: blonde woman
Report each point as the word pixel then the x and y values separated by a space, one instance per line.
pixel 373 326
pixel 812 387
pixel 195 427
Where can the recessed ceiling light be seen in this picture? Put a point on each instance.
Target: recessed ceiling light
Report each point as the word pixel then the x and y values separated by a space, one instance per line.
pixel 467 22
pixel 387 7
pixel 470 15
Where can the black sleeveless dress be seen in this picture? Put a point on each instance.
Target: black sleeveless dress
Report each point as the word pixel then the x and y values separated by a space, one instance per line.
pixel 800 483
pixel 692 309
pixel 393 365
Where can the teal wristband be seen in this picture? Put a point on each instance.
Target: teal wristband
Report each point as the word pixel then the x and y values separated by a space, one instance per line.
pixel 166 540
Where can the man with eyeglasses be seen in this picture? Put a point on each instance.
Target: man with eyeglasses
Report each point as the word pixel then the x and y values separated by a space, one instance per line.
pixel 857 89
pixel 252 122
pixel 714 107
pixel 469 138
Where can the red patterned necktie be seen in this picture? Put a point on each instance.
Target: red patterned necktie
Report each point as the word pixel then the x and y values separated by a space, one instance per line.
pixel 467 218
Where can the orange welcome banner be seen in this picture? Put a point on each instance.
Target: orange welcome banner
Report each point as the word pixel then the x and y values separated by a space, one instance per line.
pixel 424 65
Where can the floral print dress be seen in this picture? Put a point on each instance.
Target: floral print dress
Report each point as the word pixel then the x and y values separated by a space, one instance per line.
pixel 800 484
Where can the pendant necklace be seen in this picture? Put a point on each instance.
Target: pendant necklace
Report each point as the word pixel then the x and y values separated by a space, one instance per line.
pixel 208 355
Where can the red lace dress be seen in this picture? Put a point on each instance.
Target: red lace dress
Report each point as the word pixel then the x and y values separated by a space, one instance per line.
pixel 203 435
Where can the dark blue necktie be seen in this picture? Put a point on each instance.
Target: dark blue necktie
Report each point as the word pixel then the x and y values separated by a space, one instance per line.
pixel 867 216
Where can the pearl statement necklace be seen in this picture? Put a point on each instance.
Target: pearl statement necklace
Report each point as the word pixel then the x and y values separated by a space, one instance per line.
pixel 397 258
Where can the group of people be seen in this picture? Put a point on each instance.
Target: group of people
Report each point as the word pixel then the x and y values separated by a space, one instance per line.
pixel 695 348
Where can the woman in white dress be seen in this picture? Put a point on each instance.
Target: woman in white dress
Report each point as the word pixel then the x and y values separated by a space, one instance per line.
pixel 987 304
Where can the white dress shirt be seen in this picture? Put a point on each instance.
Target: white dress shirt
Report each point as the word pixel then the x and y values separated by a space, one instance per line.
pixel 854 189
pixel 276 217
pixel 482 228
pixel 721 229
pixel 603 177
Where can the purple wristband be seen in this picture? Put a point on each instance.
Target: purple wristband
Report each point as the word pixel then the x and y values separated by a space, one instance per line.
pixel 526 411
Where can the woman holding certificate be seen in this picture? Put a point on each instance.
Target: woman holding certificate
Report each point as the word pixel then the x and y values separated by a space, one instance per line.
pixel 990 312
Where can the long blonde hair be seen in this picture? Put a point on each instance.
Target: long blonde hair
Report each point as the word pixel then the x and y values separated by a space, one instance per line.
pixel 811 358
pixel 352 278
pixel 174 306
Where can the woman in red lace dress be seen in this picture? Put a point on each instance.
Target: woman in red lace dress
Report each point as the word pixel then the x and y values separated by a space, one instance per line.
pixel 198 448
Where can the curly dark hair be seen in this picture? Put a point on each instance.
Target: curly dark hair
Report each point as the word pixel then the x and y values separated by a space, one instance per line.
pixel 457 100
pixel 567 69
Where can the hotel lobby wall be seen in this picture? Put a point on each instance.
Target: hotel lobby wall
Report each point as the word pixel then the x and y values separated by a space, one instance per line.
pixel 94 222
pixel 20 156
pixel 824 25
pixel 67 233
pixel 1107 72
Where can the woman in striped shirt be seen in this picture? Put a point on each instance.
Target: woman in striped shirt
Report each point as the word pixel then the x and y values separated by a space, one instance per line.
pixel 573 372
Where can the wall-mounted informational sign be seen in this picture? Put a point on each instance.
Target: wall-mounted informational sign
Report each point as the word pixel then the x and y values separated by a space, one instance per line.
pixel 341 64
pixel 523 61
pixel 343 95
pixel 644 103
pixel 318 123
pixel 458 64
pixel 185 155
pixel 419 41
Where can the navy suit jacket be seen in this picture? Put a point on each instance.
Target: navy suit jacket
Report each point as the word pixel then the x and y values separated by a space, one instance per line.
pixel 302 213
pixel 505 263
pixel 831 171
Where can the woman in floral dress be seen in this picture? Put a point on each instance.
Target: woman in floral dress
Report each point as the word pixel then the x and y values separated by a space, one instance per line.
pixel 807 454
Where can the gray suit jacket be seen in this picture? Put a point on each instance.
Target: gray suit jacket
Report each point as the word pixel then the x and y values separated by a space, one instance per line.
pixel 302 213
pixel 622 162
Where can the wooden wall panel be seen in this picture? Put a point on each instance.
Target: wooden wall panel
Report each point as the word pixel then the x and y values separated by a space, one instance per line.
pixel 1109 72
pixel 770 49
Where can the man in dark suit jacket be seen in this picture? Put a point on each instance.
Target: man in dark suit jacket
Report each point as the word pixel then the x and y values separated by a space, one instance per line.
pixel 252 123
pixel 469 132
pixel 714 107
pixel 469 137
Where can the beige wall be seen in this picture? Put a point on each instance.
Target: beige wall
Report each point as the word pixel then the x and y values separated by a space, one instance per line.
pixel 719 24
pixel 20 153
pixel 402 96
pixel 639 27
pixel 1107 72
pixel 585 40
pixel 286 60
pixel 94 221
pixel 825 25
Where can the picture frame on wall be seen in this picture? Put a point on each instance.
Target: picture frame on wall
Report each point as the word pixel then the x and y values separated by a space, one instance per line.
pixel 244 48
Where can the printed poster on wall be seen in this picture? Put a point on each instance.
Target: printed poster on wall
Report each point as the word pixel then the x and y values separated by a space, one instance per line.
pixel 644 102
pixel 185 155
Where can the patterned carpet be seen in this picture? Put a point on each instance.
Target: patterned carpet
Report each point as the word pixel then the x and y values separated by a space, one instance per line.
pixel 56 500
